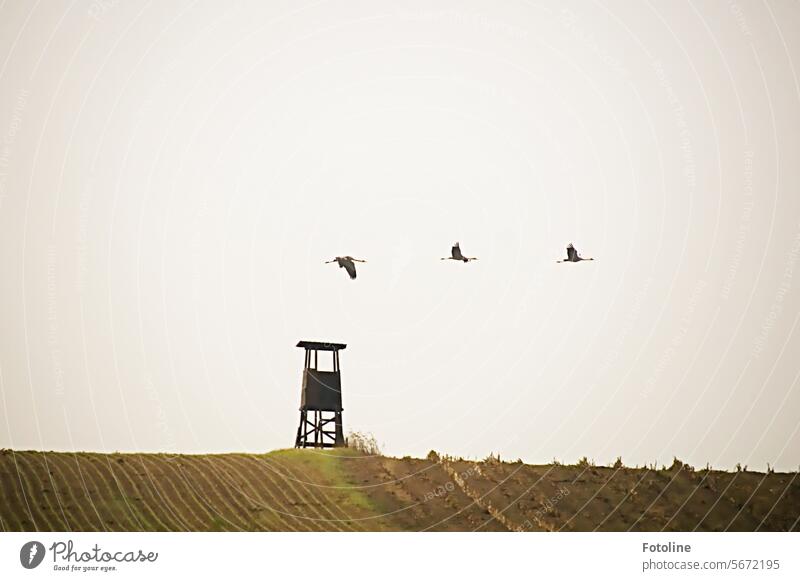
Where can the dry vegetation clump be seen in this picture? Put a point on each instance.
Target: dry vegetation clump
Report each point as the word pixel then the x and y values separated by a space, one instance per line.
pixel 679 465
pixel 492 458
pixel 363 442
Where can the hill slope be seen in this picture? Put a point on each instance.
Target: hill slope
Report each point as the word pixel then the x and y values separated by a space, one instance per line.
pixel 342 490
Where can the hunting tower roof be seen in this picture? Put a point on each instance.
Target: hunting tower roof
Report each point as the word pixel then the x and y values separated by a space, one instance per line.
pixel 321 345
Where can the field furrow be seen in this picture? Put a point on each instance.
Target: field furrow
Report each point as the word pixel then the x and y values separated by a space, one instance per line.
pixel 310 485
pixel 77 501
pixel 109 494
pixel 204 492
pixel 219 492
pixel 264 513
pixel 38 500
pixel 45 468
pixel 18 516
pixel 266 493
pixel 141 497
pixel 298 492
pixel 192 515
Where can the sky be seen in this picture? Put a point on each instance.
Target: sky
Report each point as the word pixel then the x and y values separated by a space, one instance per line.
pixel 173 176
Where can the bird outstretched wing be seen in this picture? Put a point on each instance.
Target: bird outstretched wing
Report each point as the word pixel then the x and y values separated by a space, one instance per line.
pixel 572 254
pixel 349 267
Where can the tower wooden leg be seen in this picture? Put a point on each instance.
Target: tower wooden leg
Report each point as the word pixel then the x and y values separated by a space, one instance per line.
pixel 316 431
pixel 299 441
pixel 339 438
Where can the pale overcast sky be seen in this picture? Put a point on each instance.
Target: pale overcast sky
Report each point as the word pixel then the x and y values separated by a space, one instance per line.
pixel 173 176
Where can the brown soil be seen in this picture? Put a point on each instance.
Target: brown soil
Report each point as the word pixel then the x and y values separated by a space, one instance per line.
pixel 343 490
